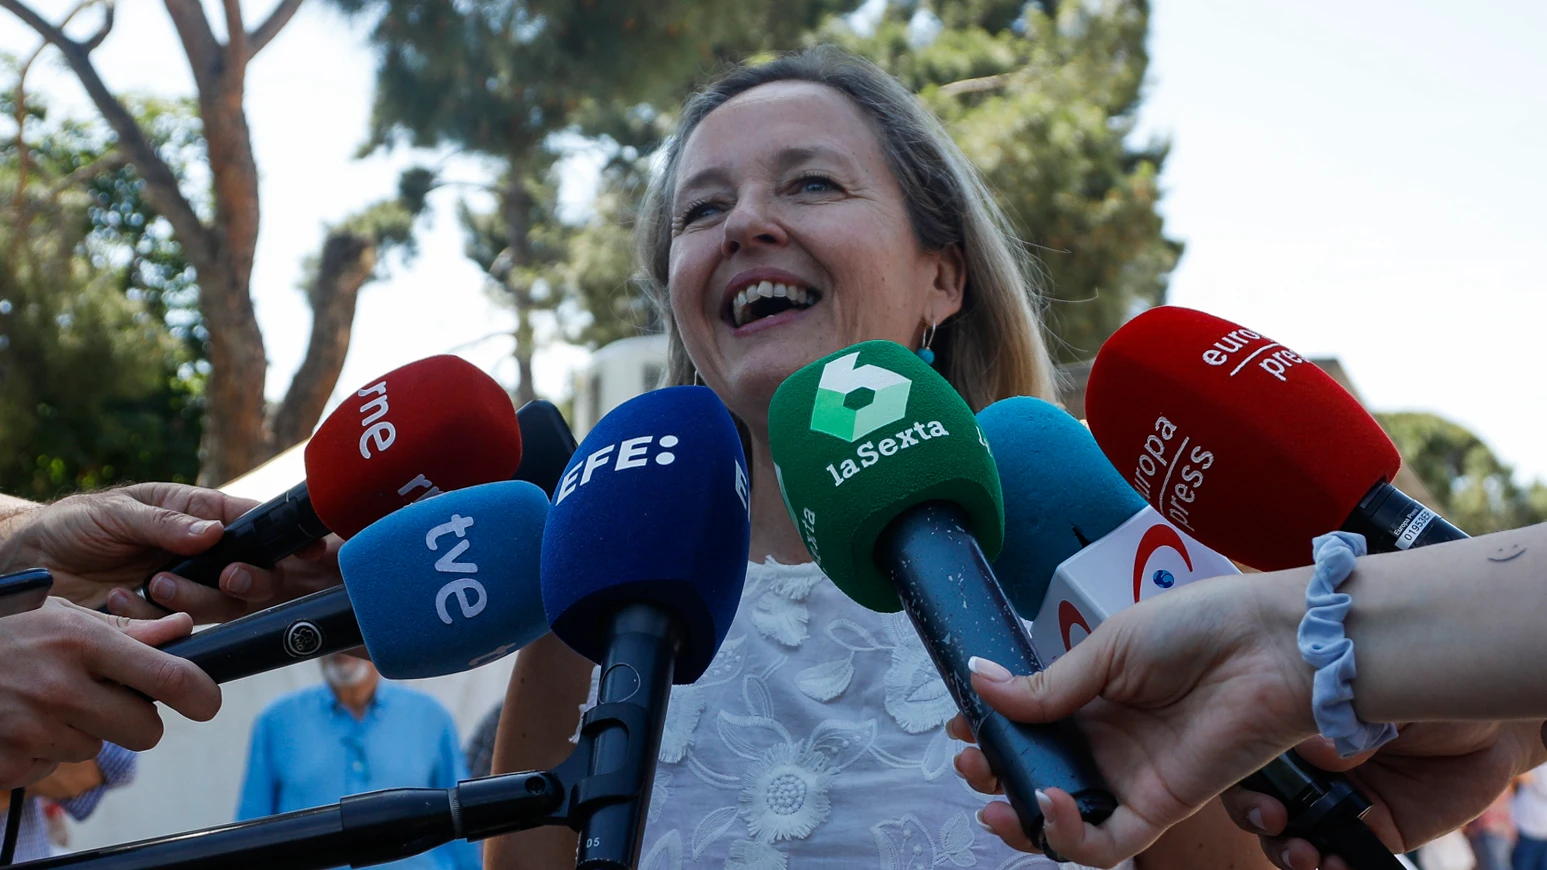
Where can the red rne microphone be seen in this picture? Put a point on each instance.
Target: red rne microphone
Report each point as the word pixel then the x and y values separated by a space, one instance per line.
pixel 429 427
pixel 1245 444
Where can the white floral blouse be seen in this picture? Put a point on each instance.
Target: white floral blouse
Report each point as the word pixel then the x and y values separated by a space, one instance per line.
pixel 815 741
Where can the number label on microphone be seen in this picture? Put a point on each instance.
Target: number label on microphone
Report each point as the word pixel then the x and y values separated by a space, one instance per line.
pixel 468 593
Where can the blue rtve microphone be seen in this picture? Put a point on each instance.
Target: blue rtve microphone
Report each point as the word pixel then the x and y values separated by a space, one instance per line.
pixel 643 562
pixel 1081 544
pixel 444 585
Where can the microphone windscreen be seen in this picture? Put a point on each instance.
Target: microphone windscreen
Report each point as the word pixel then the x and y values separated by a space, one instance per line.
pixel 655 507
pixel 449 583
pixel 1060 494
pixel 429 427
pixel 546 445
pixel 1238 440
pixel 862 435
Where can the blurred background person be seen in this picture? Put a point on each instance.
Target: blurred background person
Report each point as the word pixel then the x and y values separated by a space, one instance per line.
pixel 1492 834
pixel 76 788
pixel 1530 808
pixel 353 734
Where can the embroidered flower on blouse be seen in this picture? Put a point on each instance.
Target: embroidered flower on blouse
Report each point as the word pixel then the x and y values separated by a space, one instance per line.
pixel 780 613
pixel 752 855
pixel 785 796
pixel 660 793
pixel 682 715
pixel 915 695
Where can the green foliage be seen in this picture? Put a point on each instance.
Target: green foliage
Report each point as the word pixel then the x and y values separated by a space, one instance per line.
pixel 1476 490
pixel 498 77
pixel 1042 97
pixel 502 79
pixel 101 345
pixel 1045 107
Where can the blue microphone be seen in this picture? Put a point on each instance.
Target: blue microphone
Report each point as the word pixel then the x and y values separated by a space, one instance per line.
pixel 643 562
pixel 441 586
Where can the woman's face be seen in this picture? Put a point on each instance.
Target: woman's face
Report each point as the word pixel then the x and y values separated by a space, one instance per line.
pixel 791 240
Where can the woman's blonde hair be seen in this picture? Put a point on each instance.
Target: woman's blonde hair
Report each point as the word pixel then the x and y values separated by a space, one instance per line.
pixel 993 348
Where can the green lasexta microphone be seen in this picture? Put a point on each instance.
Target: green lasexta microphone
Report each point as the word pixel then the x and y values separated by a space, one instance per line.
pixel 892 487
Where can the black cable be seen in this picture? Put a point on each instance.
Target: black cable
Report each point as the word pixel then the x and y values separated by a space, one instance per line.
pixel 12 826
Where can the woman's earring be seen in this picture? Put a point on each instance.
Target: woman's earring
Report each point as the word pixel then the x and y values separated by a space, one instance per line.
pixel 697 381
pixel 925 354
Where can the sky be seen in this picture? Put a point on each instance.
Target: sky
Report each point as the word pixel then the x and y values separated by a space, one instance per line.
pixel 1361 180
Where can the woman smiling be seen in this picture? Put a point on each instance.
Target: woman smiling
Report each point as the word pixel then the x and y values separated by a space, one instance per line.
pixel 806 205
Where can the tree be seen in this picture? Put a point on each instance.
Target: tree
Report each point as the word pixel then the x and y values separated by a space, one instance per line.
pixel 99 350
pixel 1043 99
pixel 218 233
pixel 1475 489
pixel 500 79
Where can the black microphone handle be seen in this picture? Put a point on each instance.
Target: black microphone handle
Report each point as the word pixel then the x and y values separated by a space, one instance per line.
pixel 637 673
pixel 262 536
pixel 1391 520
pixel 306 628
pixel 359 831
pixel 959 609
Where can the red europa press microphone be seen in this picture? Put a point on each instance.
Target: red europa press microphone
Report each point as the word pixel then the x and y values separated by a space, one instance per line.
pixel 1245 444
pixel 429 427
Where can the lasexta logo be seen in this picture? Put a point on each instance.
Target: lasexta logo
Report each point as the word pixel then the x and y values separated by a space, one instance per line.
pixel 852 402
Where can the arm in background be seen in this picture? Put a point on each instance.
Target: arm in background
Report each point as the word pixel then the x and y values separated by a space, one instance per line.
pixel 548 685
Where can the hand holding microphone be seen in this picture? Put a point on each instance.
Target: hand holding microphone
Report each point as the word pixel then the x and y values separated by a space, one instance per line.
pixel 891 485
pixel 73 677
pixel 1185 694
pixel 1256 451
pixel 94 542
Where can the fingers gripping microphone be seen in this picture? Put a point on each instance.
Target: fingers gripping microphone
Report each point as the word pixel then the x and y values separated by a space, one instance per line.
pixel 442 586
pixel 892 487
pixel 429 427
pixel 644 559
pixel 1245 444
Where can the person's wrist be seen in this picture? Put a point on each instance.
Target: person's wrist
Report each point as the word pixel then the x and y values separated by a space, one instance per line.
pixel 1278 601
pixel 14 552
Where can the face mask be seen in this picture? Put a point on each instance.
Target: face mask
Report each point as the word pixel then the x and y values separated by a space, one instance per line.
pixel 345 671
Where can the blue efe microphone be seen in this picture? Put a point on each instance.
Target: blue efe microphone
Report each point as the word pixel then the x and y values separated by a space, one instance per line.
pixel 643 562
pixel 441 586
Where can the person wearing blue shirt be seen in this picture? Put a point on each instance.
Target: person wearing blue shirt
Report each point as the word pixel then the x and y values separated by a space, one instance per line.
pixel 353 734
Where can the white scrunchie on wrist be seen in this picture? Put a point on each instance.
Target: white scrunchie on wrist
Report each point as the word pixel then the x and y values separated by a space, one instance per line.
pixel 1326 648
